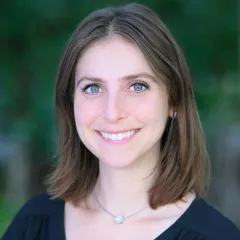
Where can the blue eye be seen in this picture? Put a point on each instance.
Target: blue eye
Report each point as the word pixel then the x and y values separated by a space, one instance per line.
pixel 139 87
pixel 92 89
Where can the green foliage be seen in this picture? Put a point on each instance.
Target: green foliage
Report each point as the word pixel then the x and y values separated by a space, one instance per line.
pixel 33 37
pixel 7 214
pixel 34 34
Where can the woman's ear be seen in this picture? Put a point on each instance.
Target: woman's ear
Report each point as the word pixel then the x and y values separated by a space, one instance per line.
pixel 172 113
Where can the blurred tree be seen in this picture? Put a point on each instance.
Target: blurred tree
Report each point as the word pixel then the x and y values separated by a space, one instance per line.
pixel 34 34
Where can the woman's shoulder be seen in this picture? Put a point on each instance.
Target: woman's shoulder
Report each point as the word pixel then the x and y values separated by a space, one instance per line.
pixel 41 204
pixel 35 217
pixel 209 222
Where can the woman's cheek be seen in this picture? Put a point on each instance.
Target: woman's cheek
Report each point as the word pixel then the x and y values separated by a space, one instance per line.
pixel 86 110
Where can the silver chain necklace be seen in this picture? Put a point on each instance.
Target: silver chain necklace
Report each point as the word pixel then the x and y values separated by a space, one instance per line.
pixel 118 218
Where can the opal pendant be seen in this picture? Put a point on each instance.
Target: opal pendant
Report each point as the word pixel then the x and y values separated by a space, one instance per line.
pixel 119 219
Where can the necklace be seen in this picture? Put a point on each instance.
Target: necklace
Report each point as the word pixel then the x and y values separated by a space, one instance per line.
pixel 119 218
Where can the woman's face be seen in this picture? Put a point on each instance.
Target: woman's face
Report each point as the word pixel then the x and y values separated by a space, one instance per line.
pixel 120 107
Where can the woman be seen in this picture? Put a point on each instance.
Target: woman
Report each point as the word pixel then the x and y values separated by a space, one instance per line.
pixel 133 162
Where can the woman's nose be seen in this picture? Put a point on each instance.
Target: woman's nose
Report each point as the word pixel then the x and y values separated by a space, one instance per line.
pixel 114 108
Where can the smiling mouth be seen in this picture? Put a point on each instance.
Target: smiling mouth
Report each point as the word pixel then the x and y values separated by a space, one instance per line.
pixel 119 136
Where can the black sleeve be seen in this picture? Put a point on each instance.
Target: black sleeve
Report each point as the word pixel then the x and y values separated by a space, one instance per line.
pixel 31 221
pixel 233 233
pixel 17 228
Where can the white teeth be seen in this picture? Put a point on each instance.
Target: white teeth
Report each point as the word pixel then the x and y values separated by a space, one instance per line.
pixel 119 136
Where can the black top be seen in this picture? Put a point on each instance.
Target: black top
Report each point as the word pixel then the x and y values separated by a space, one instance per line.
pixel 43 219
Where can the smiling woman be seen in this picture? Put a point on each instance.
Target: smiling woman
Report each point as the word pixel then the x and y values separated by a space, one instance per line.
pixel 132 157
pixel 125 99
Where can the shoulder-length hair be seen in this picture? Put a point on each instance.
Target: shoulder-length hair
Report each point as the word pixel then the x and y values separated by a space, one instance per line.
pixel 183 164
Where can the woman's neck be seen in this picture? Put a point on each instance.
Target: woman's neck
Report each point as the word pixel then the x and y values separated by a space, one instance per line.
pixel 124 191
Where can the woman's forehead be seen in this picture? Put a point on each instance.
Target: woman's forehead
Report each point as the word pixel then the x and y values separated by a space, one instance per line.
pixel 112 57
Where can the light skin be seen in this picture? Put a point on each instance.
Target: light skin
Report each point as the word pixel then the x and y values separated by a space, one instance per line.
pixel 115 91
pixel 116 65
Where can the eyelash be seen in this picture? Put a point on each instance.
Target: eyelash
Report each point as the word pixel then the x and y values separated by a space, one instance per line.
pixel 141 83
pixel 89 85
pixel 97 85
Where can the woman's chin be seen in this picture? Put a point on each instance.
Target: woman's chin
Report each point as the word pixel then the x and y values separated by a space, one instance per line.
pixel 116 162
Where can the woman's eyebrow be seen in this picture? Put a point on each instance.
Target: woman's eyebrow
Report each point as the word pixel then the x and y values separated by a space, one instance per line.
pixel 125 78
pixel 139 75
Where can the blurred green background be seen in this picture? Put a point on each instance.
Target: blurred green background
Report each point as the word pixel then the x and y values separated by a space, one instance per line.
pixel 33 37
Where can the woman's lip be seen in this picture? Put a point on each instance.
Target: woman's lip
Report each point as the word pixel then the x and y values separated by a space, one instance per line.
pixel 122 131
pixel 122 141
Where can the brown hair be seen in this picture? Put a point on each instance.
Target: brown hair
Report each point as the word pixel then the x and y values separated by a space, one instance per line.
pixel 183 165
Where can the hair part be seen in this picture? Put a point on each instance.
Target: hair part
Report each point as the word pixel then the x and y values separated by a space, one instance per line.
pixel 183 165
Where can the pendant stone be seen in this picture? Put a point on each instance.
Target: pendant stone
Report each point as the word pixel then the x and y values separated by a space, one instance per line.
pixel 119 219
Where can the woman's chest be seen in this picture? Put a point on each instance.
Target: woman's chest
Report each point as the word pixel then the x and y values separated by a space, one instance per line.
pixel 97 228
pixel 85 224
pixel 105 232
